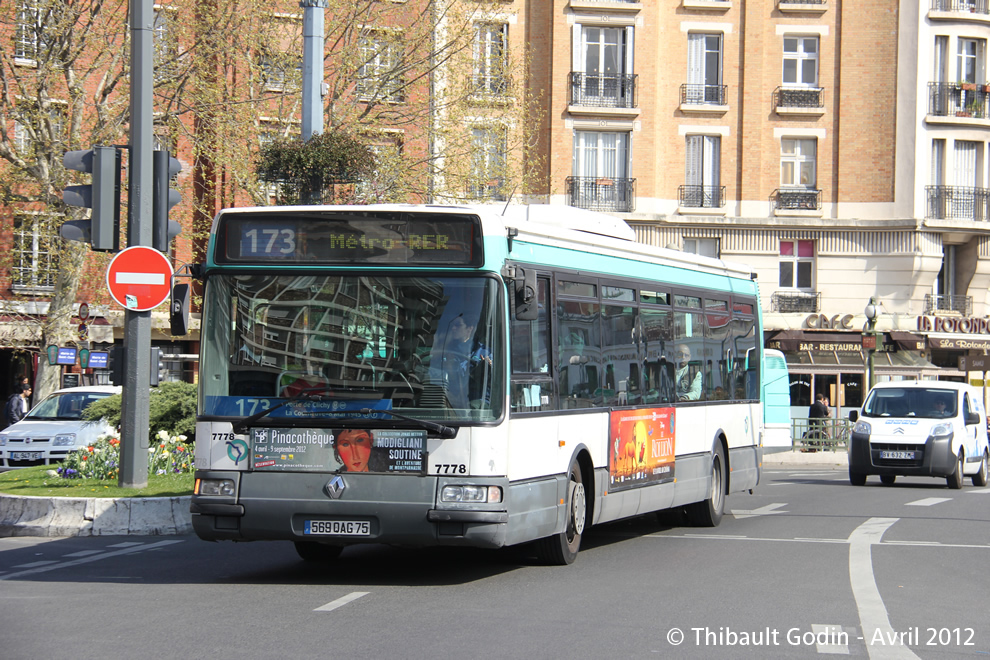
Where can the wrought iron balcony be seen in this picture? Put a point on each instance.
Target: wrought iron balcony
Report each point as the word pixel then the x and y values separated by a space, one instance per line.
pixel 957 203
pixel 701 196
pixel 704 94
pixel 799 97
pixel 601 193
pixel 939 303
pixel 603 91
pixel 801 2
pixel 796 301
pixel 968 6
pixel 958 99
pixel 796 199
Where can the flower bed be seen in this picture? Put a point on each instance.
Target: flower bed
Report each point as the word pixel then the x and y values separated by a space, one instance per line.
pixel 101 460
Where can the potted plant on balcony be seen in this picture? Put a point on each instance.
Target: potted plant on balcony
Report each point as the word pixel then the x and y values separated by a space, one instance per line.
pixel 968 86
pixel 985 88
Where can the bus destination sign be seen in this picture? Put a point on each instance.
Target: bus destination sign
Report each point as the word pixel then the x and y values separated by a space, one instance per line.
pixel 329 238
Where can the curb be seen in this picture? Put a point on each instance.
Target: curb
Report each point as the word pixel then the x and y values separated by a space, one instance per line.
pixel 94 516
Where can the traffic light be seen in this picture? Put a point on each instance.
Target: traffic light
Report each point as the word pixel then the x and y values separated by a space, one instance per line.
pixel 117 365
pixel 157 366
pixel 164 198
pixel 102 196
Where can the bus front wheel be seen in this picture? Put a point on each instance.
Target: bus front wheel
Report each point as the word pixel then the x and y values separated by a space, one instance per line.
pixel 708 513
pixel 562 549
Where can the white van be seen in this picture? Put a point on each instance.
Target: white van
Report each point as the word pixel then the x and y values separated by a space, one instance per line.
pixel 920 428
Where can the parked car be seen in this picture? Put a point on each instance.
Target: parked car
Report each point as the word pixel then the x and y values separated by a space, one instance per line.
pixel 920 428
pixel 54 428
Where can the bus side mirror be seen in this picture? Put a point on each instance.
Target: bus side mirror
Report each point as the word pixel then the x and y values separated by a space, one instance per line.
pixel 527 308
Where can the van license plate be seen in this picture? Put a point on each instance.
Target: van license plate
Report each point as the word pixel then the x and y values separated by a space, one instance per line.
pixel 26 455
pixel 338 527
pixel 898 455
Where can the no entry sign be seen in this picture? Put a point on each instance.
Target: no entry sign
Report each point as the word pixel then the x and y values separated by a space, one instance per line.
pixel 139 278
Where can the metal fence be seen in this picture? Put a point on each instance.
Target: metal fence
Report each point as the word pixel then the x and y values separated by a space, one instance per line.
pixel 820 435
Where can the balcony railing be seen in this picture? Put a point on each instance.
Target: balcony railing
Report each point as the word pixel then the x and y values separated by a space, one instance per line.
pixel 701 196
pixel 957 203
pixel 801 2
pixel 958 99
pixel 703 94
pixel 795 301
pixel 969 6
pixel 799 97
pixel 601 193
pixel 800 199
pixel 939 303
pixel 602 91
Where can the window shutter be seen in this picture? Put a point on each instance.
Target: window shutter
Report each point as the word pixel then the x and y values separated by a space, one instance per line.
pixel 692 173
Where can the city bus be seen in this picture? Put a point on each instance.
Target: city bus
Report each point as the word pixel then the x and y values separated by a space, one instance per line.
pixel 466 376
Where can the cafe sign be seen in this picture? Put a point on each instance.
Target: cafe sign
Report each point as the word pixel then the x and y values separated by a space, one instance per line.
pixel 969 326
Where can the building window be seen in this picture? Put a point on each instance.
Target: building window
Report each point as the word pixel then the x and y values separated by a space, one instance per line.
pixel 281 72
pixel 797 163
pixel 379 76
pixel 601 172
pixel 35 258
pixel 29 30
pixel 488 161
pixel 603 66
pixel 706 247
pixel 385 181
pixel 491 57
pixel 969 60
pixel 166 49
pixel 32 127
pixel 797 265
pixel 801 61
pixel 704 80
pixel 701 178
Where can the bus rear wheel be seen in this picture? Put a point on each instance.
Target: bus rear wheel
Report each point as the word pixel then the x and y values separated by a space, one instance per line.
pixel 709 512
pixel 318 552
pixel 562 549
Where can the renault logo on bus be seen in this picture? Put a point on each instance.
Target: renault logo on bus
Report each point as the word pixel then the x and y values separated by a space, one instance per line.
pixel 335 487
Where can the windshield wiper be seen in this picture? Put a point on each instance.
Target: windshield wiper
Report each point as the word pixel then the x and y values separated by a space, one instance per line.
pixel 442 430
pixel 242 426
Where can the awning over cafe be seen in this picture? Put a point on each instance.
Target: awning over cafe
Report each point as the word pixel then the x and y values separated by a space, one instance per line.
pixel 804 340
pixel 958 342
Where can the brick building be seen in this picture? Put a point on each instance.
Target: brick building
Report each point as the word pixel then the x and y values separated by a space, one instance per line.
pixel 839 149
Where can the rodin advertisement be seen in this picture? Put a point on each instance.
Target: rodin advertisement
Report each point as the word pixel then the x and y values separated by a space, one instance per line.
pixel 339 450
pixel 642 447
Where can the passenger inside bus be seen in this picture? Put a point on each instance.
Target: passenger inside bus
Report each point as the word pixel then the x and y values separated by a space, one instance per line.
pixel 688 379
pixel 466 365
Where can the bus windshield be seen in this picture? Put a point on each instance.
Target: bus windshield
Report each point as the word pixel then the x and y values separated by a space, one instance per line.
pixel 342 343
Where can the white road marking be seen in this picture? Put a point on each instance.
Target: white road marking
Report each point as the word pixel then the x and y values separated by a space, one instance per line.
pixel 139 278
pixel 131 548
pixel 929 501
pixel 343 600
pixel 35 564
pixel 831 632
pixel 979 491
pixel 84 553
pixel 872 612
pixel 762 511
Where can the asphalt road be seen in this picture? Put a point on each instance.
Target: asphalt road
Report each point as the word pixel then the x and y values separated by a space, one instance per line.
pixel 806 566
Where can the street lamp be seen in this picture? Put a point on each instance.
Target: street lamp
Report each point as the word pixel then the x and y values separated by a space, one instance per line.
pixel 870 340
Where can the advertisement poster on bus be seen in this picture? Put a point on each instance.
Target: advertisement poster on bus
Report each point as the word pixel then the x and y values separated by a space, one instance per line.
pixel 339 450
pixel 641 451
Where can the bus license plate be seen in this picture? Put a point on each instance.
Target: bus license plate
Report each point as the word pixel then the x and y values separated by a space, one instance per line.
pixel 26 455
pixel 904 455
pixel 338 527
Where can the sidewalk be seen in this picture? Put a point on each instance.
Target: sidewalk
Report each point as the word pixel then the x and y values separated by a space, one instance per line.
pixel 791 457
pixel 94 516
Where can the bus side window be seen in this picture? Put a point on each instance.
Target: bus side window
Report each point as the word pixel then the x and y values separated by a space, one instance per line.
pixel 530 388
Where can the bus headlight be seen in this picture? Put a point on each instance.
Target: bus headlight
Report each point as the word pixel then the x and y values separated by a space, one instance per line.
pixel 224 487
pixel 64 440
pixel 474 494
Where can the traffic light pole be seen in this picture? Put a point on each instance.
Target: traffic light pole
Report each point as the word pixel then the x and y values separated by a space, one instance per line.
pixel 137 325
